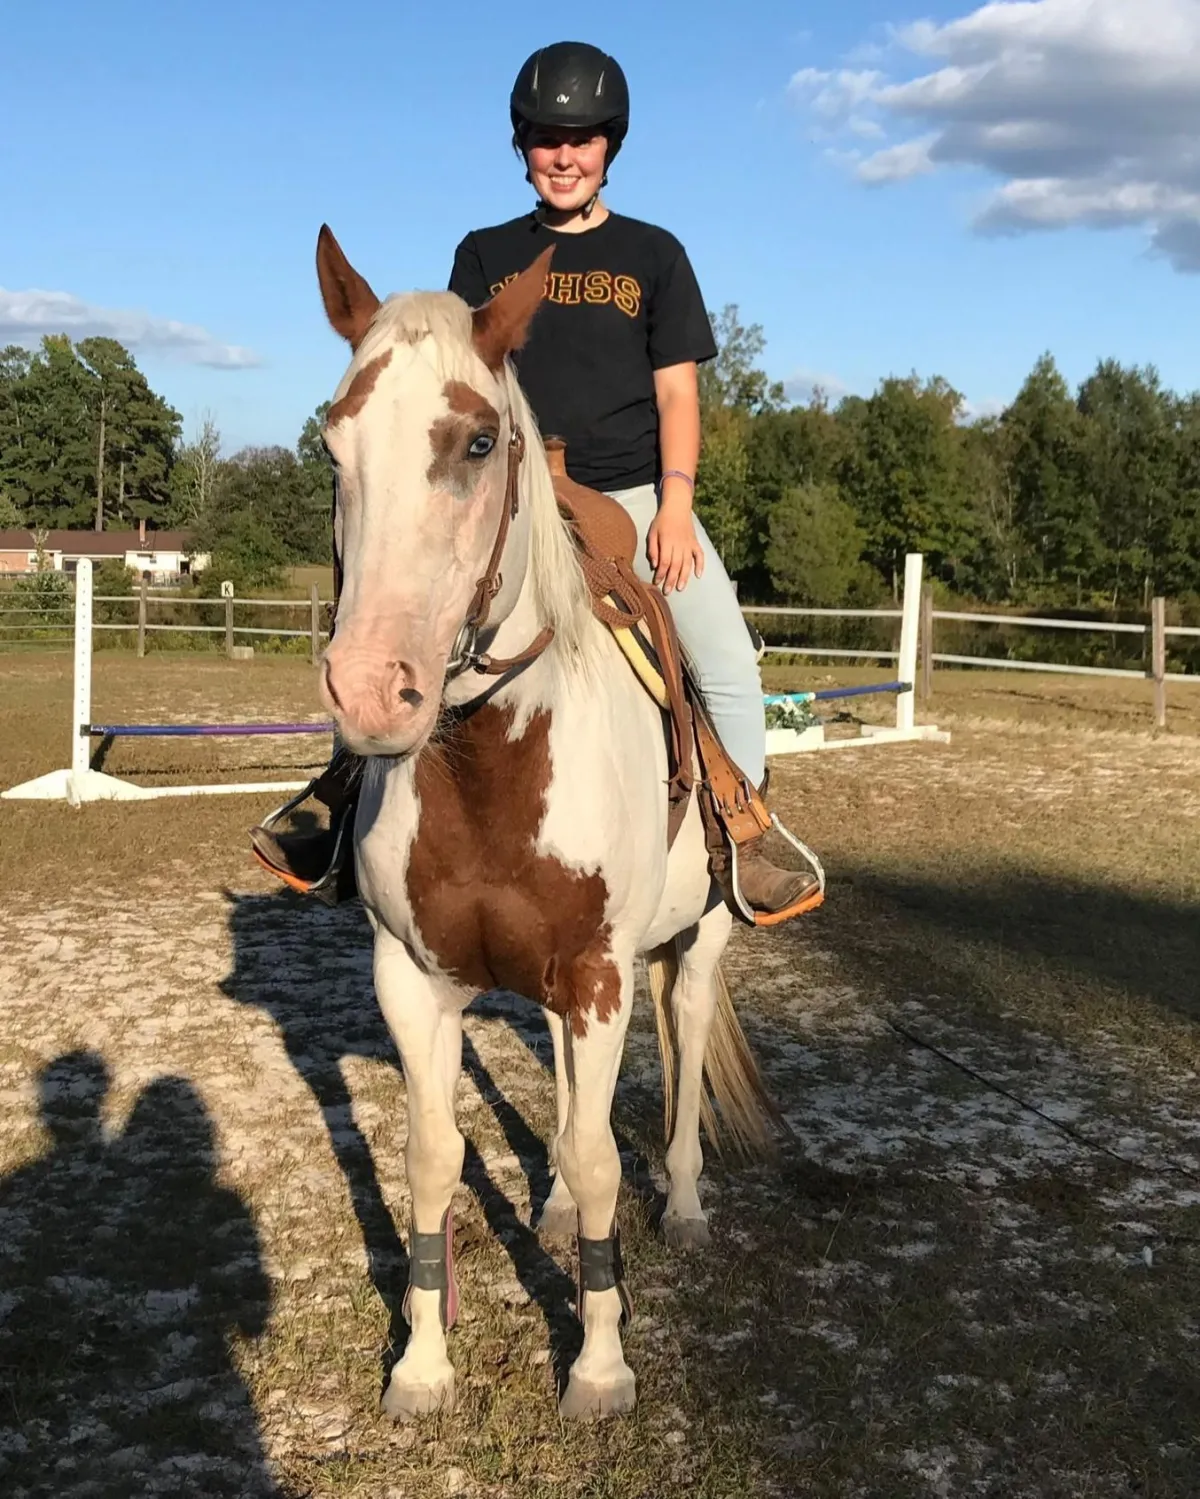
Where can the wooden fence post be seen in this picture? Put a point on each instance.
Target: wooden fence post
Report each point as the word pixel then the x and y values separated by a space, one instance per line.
pixel 1158 659
pixel 315 606
pixel 141 645
pixel 926 642
pixel 229 628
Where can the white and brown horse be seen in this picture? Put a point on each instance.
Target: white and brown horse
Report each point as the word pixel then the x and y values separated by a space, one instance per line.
pixel 511 830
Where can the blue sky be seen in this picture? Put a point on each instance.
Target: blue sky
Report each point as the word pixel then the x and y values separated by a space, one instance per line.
pixel 954 196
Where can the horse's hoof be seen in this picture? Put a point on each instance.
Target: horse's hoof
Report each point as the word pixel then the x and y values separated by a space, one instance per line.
pixel 406 1402
pixel 582 1401
pixel 685 1233
pixel 558 1223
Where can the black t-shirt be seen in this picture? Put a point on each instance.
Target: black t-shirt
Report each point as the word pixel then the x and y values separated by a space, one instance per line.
pixel 621 302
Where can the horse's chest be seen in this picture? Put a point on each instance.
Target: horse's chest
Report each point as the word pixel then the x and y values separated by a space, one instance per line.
pixel 492 910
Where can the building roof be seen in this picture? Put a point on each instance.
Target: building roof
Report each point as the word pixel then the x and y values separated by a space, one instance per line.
pixel 98 543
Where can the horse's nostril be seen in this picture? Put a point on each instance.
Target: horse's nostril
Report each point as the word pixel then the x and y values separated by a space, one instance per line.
pixel 329 683
pixel 412 697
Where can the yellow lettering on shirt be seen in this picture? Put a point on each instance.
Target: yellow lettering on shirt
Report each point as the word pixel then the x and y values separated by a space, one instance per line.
pixel 627 294
pixel 565 287
pixel 597 288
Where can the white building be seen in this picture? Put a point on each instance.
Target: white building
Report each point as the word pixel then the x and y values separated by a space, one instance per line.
pixel 158 556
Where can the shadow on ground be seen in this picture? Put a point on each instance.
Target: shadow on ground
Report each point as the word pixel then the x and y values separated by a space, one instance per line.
pixel 1142 945
pixel 125 1269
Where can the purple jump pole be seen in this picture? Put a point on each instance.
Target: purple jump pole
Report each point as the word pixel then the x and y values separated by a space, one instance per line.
pixel 196 730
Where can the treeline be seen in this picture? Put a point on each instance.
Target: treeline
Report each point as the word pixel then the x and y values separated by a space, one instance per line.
pixel 1070 500
pixel 86 443
pixel 1086 499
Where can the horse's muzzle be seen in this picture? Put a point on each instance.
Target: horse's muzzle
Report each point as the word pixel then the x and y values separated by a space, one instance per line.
pixel 377 700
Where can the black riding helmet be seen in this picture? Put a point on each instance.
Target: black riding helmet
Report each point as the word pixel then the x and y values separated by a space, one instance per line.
pixel 571 85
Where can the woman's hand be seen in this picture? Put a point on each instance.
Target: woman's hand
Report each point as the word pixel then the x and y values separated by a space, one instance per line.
pixel 672 545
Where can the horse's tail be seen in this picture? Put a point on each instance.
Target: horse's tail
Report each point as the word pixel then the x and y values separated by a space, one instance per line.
pixel 749 1116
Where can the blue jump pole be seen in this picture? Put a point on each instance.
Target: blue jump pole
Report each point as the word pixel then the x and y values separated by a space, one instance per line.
pixel 831 694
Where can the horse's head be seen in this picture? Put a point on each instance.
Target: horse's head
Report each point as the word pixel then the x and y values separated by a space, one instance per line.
pixel 419 432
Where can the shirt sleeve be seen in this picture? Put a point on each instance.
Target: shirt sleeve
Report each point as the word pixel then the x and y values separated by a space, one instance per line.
pixel 467 279
pixel 680 331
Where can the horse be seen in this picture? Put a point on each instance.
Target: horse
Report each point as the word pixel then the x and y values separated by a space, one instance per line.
pixel 511 829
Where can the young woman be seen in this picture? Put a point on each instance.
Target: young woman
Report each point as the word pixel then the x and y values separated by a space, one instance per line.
pixel 610 366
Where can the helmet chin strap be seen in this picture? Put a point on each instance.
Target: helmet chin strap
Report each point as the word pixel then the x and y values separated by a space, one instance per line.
pixel 588 208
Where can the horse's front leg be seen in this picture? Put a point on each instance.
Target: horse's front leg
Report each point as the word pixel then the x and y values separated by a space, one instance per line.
pixel 426 1025
pixel 601 1382
pixel 559 1218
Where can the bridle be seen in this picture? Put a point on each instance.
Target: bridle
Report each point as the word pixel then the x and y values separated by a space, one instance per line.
pixel 466 653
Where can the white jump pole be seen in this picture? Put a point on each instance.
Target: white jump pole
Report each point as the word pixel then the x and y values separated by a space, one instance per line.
pixel 80 783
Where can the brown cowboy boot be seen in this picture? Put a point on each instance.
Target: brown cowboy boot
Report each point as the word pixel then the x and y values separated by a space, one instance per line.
pixel 318 863
pixel 765 886
pixel 755 886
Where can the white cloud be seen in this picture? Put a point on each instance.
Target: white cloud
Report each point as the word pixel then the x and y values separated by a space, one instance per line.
pixel 802 385
pixel 26 316
pixel 1087 111
pixel 898 163
pixel 978 411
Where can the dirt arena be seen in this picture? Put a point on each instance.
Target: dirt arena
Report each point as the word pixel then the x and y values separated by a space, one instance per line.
pixel 970 1272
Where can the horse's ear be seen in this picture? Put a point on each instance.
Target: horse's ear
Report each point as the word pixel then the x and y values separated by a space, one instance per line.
pixel 350 304
pixel 500 326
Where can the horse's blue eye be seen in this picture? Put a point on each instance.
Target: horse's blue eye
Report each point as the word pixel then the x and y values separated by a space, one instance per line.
pixel 481 446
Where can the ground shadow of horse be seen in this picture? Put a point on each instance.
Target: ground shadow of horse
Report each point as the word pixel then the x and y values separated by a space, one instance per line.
pixel 1143 944
pixel 309 967
pixel 125 1269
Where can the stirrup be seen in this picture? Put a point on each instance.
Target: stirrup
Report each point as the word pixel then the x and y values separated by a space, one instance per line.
pixel 806 903
pixel 326 883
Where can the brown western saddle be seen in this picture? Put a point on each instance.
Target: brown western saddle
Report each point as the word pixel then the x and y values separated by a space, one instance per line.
pixel 733 810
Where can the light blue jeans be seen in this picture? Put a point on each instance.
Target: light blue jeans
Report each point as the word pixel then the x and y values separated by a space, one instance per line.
pixel 713 633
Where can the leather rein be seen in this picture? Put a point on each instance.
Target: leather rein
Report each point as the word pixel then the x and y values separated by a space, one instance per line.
pixel 466 653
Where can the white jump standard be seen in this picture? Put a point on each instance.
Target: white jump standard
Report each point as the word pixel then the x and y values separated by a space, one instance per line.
pixel 80 783
pixel 905 729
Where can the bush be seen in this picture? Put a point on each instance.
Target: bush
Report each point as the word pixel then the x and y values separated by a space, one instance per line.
pixel 815 550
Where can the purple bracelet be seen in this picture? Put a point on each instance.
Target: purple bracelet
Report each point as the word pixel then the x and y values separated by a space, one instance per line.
pixel 677 473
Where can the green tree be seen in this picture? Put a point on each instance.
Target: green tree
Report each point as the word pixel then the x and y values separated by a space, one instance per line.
pixel 733 379
pixel 286 500
pixel 902 473
pixel 247 552
pixel 992 560
pixel 721 489
pixel 1129 452
pixel 47 460
pixel 815 550
pixel 1053 510
pixel 195 474
pixel 134 434
pixel 10 517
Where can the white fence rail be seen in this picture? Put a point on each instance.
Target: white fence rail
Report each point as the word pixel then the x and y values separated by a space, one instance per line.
pixel 41 623
pixel 1155 631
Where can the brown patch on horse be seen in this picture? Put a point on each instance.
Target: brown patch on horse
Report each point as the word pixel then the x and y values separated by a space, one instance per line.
pixel 360 388
pixel 493 911
pixel 501 325
pixel 451 436
pixel 350 304
pixel 465 400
